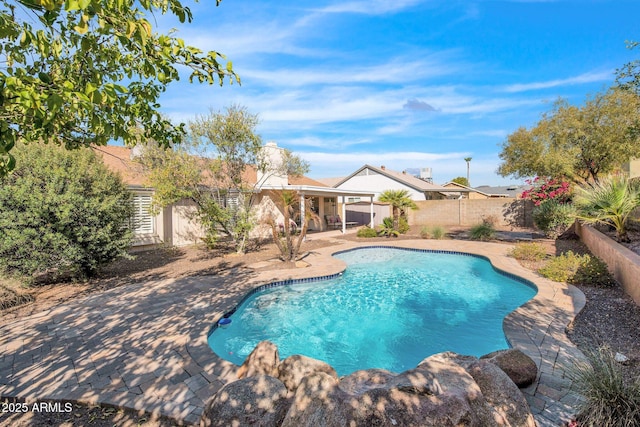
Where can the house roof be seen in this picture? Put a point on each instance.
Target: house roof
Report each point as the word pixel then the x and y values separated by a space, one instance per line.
pixel 119 160
pixel 402 177
pixel 502 191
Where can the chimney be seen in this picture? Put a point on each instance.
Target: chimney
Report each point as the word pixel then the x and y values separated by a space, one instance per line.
pixel 382 167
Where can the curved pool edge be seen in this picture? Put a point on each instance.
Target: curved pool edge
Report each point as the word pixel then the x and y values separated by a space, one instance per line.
pixel 537 328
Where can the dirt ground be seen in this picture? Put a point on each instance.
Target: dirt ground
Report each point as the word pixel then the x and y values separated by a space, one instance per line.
pixel 609 318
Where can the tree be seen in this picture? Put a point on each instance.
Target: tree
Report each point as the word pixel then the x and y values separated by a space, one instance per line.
pixel 468 160
pixel 628 77
pixel 576 143
pixel 284 235
pixel 62 213
pixel 216 169
pixel 461 180
pixel 399 201
pixel 82 72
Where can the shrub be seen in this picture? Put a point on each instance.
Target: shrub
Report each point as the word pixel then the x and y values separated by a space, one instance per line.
pixel 484 231
pixel 610 398
pixel 529 251
pixel 366 231
pixel 553 218
pixel 387 229
pixel 436 232
pixel 576 269
pixel 62 214
pixel 609 202
pixel 403 225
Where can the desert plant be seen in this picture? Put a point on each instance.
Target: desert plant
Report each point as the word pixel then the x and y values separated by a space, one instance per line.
pixel 400 201
pixel 483 231
pixel 438 232
pixel 529 251
pixel 577 269
pixel 387 229
pixel 554 218
pixel 62 214
pixel 403 225
pixel 609 201
pixel 425 232
pixel 610 398
pixel 366 231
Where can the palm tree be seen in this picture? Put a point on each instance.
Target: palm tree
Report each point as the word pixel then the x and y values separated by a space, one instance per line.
pixel 468 160
pixel 609 201
pixel 399 201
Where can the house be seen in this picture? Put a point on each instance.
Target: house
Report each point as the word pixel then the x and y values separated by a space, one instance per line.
pixel 177 224
pixel 464 192
pixel 376 180
pixel 512 191
pixel 632 168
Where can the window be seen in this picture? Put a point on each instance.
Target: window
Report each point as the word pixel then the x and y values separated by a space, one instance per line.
pixel 353 199
pixel 142 221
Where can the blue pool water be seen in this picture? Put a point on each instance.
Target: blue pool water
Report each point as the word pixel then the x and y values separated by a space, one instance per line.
pixel 390 309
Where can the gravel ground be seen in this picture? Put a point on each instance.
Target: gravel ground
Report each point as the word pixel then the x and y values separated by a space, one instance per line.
pixel 609 317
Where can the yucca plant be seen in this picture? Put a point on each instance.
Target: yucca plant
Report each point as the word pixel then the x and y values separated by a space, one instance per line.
pixel 609 201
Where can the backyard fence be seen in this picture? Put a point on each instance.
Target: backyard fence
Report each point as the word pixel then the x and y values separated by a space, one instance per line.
pixel 467 212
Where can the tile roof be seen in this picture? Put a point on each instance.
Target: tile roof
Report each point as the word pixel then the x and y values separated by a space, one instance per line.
pixel 118 159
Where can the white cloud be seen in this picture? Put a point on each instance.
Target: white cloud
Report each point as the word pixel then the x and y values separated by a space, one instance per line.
pixel 590 77
pixel 371 7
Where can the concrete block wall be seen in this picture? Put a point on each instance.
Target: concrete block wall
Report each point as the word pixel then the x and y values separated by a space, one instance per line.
pixel 468 212
pixel 623 263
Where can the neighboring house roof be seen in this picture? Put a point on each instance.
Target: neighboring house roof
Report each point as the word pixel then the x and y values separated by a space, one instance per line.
pixel 119 160
pixel 503 191
pixel 402 177
pixel 331 182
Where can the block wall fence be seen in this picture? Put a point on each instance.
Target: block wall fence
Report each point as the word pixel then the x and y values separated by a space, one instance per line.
pixel 468 212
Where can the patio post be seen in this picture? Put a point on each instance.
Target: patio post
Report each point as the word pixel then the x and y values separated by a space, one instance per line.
pixel 371 212
pixel 344 215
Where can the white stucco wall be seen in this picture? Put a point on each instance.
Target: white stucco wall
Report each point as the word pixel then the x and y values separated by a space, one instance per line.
pixel 377 183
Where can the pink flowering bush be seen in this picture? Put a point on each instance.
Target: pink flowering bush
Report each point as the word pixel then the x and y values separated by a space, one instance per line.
pixel 544 189
pixel 553 213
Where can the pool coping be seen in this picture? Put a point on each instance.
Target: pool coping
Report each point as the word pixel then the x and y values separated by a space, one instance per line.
pixel 144 346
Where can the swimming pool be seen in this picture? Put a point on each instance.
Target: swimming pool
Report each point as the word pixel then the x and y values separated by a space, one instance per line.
pixel 390 309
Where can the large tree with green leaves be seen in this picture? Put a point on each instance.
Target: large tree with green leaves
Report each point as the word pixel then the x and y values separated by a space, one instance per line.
pixel 81 72
pixel 577 143
pixel 216 168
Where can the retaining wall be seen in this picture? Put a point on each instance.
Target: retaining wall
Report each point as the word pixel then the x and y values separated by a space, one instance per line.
pixel 623 263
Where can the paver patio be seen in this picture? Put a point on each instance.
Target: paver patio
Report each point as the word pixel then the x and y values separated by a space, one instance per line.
pixel 145 346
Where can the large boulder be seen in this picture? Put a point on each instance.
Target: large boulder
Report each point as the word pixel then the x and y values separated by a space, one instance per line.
pixel 294 368
pixel 263 360
pixel 445 389
pixel 259 400
pixel 502 394
pixel 521 368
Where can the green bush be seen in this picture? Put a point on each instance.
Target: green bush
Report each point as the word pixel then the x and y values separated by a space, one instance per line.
pixel 436 232
pixel 529 251
pixel 553 218
pixel 62 213
pixel 610 398
pixel 577 269
pixel 387 229
pixel 484 231
pixel 403 225
pixel 367 231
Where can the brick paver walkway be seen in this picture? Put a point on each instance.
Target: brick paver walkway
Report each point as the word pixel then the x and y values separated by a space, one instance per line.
pixel 145 347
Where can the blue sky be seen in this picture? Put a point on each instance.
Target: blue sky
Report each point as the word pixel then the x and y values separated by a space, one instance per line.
pixel 404 83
